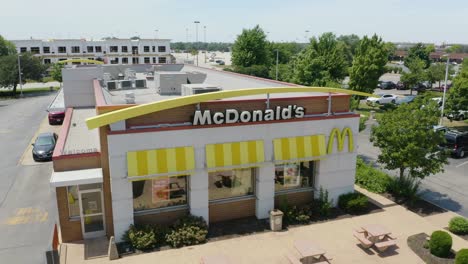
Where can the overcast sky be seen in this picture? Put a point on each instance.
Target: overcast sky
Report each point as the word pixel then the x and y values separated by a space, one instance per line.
pixel 394 20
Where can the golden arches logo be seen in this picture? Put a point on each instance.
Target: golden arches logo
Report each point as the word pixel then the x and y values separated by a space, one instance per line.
pixel 340 138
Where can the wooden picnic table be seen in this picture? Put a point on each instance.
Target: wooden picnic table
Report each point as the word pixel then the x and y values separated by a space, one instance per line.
pixel 374 232
pixel 308 249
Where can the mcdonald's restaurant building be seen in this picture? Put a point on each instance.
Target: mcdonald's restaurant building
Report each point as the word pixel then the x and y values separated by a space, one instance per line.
pixel 222 155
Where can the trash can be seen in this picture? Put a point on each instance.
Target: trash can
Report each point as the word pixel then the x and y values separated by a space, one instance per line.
pixel 276 220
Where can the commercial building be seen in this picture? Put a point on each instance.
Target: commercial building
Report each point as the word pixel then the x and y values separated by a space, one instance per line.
pixel 220 145
pixel 110 51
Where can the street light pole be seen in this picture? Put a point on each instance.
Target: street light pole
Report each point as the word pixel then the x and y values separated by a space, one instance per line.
pixel 306 35
pixel 196 34
pixel 445 90
pixel 186 41
pixel 156 33
pixel 204 40
pixel 19 75
pixel 277 64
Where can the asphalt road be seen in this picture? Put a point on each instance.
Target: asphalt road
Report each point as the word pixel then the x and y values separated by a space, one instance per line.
pixel 448 189
pixel 27 209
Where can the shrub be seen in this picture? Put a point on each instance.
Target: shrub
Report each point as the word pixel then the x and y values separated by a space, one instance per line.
pixel 462 256
pixel 141 237
pixel 440 244
pixel 458 225
pixel 324 205
pixel 189 230
pixel 362 123
pixel 405 188
pixel 294 215
pixel 371 178
pixel 353 203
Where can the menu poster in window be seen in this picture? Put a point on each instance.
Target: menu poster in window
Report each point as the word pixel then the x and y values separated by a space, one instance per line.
pixel 160 189
pixel 291 173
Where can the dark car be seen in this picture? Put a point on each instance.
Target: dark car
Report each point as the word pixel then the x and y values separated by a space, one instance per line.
pixel 405 99
pixel 401 86
pixel 56 117
pixel 44 146
pixel 420 87
pixel 456 143
pixel 387 85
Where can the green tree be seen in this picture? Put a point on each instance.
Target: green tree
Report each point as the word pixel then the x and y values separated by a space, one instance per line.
pixel 458 95
pixel 436 72
pixel 407 141
pixel 391 48
pixel 56 72
pixel 31 68
pixel 415 75
pixel 251 48
pixel 368 64
pixel 421 52
pixel 6 47
pixel 323 60
pixel 351 43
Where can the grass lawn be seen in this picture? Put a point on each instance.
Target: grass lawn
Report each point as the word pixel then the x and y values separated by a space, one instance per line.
pixel 29 91
pixel 365 109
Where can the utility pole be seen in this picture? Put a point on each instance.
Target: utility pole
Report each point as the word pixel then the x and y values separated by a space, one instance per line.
pixel 186 40
pixel 204 41
pixel 196 34
pixel 19 75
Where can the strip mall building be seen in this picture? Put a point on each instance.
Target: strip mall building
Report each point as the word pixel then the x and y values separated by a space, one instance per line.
pixel 134 156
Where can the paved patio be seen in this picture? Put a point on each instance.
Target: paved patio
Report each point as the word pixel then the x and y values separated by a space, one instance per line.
pixel 336 237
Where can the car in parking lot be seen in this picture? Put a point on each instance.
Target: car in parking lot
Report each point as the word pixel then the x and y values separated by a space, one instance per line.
pixel 56 117
pixel 387 85
pixel 458 115
pixel 43 146
pixel 405 99
pixel 382 99
pixel 456 143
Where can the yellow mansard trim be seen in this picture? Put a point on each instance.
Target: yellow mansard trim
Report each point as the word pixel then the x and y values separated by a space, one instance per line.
pixel 134 111
pixel 234 154
pixel 299 148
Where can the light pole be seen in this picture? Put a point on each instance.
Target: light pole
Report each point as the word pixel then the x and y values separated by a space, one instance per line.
pixel 306 35
pixel 19 75
pixel 196 34
pixel 204 40
pixel 277 52
pixel 445 89
pixel 186 40
pixel 156 33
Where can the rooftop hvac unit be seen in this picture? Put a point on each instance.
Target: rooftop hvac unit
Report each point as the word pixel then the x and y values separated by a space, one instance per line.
pixel 196 77
pixel 169 83
pixel 130 98
pixel 130 74
pixel 140 83
pixel 191 89
pixel 126 84
pixel 111 85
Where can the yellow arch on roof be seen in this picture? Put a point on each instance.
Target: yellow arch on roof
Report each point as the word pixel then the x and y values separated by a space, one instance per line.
pixel 81 60
pixel 138 110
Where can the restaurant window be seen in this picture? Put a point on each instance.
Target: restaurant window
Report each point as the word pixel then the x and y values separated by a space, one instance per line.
pixel 90 49
pixel 23 49
pixel 46 49
pixel 62 49
pixel 147 60
pixel 146 49
pixel 294 175
pixel 98 48
pixel 231 183
pixel 75 49
pixel 73 203
pixel 161 48
pixel 124 48
pixel 162 59
pixel 113 49
pixel 159 192
pixel 35 50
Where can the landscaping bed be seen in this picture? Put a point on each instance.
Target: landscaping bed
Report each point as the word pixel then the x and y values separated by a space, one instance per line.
pixel 417 242
pixel 462 236
pixel 421 207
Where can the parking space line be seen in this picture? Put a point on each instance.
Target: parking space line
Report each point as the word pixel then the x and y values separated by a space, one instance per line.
pixel 464 163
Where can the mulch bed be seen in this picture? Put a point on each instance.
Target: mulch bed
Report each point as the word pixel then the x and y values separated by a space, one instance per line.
pixel 420 207
pixel 416 243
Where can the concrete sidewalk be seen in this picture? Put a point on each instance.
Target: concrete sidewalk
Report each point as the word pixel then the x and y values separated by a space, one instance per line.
pixel 336 237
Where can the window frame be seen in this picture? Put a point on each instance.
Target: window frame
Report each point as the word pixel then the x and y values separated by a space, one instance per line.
pixel 124 49
pixel 113 49
pixel 300 188
pixel 74 218
pixel 75 49
pixel 46 50
pixel 23 49
pixel 61 49
pixel 162 48
pixel 146 48
pixel 146 60
pixel 98 49
pixel 240 197
pixel 160 62
pixel 90 49
pixel 35 50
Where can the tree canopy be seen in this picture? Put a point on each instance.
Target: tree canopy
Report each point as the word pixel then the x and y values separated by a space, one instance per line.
pixel 421 52
pixel 6 47
pixel 458 94
pixel 251 48
pixel 368 64
pixel 322 61
pixel 407 141
pixel 415 75
pixel 56 72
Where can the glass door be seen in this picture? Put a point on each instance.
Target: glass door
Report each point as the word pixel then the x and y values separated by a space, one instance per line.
pixel 92 213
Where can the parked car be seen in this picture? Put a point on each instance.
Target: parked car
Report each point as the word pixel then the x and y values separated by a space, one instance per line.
pixel 441 88
pixel 401 86
pixel 460 115
pixel 456 143
pixel 405 99
pixel 420 87
pixel 56 117
pixel 382 99
pixel 44 146
pixel 387 85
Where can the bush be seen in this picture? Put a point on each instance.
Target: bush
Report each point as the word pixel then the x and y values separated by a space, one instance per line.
pixel 458 225
pixel 371 178
pixel 141 237
pixel 353 203
pixel 440 244
pixel 324 205
pixel 405 188
pixel 362 123
pixel 187 231
pixel 293 215
pixel 462 256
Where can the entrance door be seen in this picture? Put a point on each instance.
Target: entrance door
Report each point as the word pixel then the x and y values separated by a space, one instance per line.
pixel 92 213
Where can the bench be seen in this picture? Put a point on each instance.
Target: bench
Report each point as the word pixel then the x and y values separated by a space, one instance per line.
pixel 364 241
pixel 293 259
pixel 382 246
pixel 391 237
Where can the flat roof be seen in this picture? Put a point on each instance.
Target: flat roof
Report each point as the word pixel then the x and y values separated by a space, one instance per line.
pixel 79 138
pixel 225 80
pixel 76 177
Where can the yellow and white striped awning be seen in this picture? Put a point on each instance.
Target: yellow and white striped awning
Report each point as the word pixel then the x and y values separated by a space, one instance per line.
pixel 299 148
pixel 160 162
pixel 235 154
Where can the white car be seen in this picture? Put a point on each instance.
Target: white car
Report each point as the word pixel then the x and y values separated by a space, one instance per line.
pixel 382 99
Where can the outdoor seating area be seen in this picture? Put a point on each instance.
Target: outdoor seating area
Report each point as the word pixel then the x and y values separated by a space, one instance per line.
pixel 375 235
pixel 310 253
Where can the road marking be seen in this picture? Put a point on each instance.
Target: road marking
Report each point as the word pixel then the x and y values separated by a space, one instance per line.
pixel 459 165
pixel 28 215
